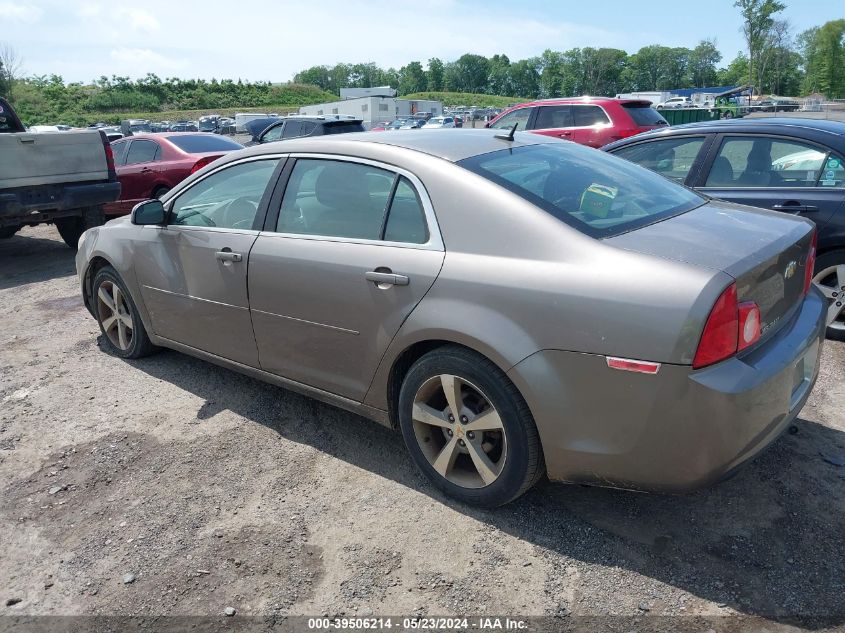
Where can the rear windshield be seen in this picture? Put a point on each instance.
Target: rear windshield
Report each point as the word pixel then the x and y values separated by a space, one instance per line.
pixel 595 192
pixel 644 114
pixel 204 143
pixel 344 127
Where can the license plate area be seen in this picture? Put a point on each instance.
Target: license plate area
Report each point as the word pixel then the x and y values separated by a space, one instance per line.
pixel 802 376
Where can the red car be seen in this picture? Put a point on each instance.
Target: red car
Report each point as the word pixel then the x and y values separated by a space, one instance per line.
pixel 593 121
pixel 150 165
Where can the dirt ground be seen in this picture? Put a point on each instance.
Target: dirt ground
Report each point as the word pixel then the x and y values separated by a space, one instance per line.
pixel 171 486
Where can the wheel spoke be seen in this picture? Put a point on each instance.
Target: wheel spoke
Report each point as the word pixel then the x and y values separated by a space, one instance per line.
pixel 109 322
pixel 118 297
pixel 486 468
pixel 121 335
pixel 452 389
pixel 104 296
pixel 833 312
pixel 126 320
pixel 840 277
pixel 486 421
pixel 428 415
pixel 446 459
pixel 827 291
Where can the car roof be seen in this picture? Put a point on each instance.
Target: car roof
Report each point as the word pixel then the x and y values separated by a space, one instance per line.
pixel 576 100
pixel 448 144
pixel 822 125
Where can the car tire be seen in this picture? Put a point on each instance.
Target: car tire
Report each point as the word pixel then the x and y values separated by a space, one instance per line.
pixel 829 282
pixel 120 322
pixel 727 115
pixel 160 192
pixel 493 455
pixel 7 232
pixel 71 229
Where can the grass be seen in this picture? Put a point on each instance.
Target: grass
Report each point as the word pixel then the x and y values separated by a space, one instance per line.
pixel 466 99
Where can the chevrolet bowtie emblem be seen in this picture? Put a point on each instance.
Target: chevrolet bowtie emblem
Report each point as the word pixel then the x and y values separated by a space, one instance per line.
pixel 791 267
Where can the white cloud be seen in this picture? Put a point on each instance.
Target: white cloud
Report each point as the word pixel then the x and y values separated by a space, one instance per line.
pixel 140 20
pixel 144 60
pixel 25 13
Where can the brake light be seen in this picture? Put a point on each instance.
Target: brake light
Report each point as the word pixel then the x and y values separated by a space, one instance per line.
pixel 627 364
pixel 719 338
pixel 749 324
pixel 202 162
pixel 109 158
pixel 811 262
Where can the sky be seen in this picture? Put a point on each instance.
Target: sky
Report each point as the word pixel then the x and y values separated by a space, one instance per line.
pixel 270 40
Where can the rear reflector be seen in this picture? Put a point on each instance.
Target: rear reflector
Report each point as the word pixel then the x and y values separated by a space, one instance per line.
pixel 626 364
pixel 811 262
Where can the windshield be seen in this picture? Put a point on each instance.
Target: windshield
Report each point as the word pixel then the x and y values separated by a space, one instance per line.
pixel 204 143
pixel 596 193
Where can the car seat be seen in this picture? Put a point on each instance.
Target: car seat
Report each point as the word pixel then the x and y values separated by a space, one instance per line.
pixel 721 174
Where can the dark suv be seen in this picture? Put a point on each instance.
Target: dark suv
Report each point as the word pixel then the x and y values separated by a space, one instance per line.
pixel 294 127
pixel 593 121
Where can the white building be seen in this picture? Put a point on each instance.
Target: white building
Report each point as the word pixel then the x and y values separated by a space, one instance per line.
pixel 378 91
pixel 374 109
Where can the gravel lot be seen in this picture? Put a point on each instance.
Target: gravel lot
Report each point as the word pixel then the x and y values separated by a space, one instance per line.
pixel 171 486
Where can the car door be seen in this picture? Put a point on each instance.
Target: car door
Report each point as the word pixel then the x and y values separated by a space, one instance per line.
pixel 193 271
pixel 353 248
pixel 138 173
pixel 676 157
pixel 521 117
pixel 591 125
pixel 777 172
pixel 554 120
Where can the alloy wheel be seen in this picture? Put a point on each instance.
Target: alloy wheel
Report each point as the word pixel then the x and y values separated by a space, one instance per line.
pixel 114 315
pixel 831 281
pixel 459 431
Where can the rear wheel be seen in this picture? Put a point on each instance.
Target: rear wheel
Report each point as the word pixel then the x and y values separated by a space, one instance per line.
pixel 71 229
pixel 830 279
pixel 159 193
pixel 118 316
pixel 468 428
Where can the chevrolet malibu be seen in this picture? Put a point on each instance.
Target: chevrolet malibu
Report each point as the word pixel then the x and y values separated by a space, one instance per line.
pixel 514 304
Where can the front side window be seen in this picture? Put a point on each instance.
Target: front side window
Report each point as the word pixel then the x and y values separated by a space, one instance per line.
pixel 351 200
pixel 595 192
pixel 669 157
pixel 587 115
pixel 273 134
pixel 141 152
pixel 554 116
pixel 748 161
pixel 517 117
pixel 228 198
pixel 292 129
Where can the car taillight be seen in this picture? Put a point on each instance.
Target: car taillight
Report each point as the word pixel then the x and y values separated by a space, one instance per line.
pixel 719 339
pixel 202 162
pixel 749 324
pixel 731 327
pixel 109 158
pixel 811 263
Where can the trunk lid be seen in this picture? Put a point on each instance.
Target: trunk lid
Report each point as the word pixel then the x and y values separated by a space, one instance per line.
pixel 764 251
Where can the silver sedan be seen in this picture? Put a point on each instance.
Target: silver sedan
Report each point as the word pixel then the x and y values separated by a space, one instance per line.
pixel 516 305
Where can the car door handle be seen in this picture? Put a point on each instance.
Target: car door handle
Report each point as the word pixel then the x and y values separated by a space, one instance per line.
pixel 26 139
pixel 387 278
pixel 795 207
pixel 229 256
pixel 146 170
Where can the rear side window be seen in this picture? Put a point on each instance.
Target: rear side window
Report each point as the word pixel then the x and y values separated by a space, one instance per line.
pixel 343 127
pixel 292 129
pixel 517 117
pixel 671 157
pixel 204 143
pixel 644 115
pixel 351 200
pixel 556 116
pixel 595 192
pixel 586 115
pixel 749 161
pixel 141 152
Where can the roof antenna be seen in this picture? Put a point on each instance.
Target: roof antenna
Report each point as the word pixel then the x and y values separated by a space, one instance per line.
pixel 509 135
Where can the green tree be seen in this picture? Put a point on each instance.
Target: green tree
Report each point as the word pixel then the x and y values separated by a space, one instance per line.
pixel 412 78
pixel 735 73
pixel 756 27
pixel 435 74
pixel 702 63
pixel 823 50
pixel 467 74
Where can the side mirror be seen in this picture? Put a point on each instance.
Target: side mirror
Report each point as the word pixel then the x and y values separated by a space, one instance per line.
pixel 149 212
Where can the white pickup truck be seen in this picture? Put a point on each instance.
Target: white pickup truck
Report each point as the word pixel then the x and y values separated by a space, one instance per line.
pixel 63 178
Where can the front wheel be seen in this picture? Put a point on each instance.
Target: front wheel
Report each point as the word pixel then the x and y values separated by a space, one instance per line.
pixel 71 229
pixel 830 279
pixel 468 428
pixel 118 316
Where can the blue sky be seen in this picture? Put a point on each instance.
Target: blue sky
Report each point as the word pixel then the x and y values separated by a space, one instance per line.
pixel 271 40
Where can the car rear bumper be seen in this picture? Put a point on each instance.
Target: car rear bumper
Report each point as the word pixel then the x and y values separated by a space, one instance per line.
pixel 679 429
pixel 43 204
